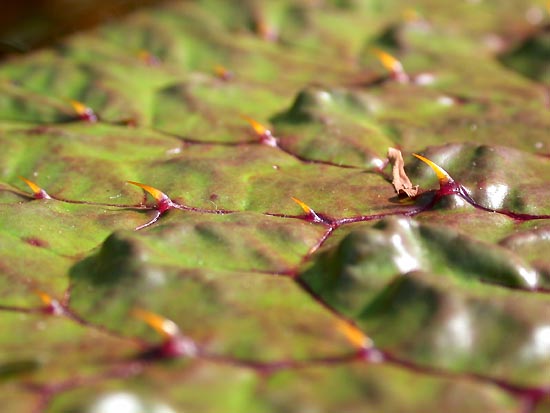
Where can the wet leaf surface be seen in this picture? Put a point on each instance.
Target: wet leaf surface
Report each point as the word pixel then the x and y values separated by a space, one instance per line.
pixel 197 211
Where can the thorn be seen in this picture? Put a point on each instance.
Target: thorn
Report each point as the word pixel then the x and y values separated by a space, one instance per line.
pixel 51 305
pixel 393 65
pixel 174 343
pixel 84 112
pixel 257 126
pixel 411 15
pixel 223 73
pixel 166 328
pixel 311 214
pixel 150 222
pixel 388 61
pixel 354 335
pixel 442 175
pixel 164 203
pixel 265 135
pixel 44 297
pixel 303 205
pixel 265 30
pixel 154 192
pixel 38 192
pixel 148 58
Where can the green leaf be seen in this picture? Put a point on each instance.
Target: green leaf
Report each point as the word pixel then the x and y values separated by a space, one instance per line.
pixel 207 222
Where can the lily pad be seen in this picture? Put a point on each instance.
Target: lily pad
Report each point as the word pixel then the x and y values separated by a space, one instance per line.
pixel 197 211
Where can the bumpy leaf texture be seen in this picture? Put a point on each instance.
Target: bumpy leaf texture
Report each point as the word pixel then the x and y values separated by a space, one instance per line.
pixel 260 260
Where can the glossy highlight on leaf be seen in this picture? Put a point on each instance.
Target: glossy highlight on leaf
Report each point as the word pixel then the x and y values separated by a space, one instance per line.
pixel 236 299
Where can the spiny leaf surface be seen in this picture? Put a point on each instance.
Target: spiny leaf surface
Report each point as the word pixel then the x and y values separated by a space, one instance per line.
pixel 220 168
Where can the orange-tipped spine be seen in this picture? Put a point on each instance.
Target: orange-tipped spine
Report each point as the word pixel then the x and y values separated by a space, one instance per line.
pixel 392 65
pixel 164 203
pixel 37 191
pixel 148 58
pixel 166 328
pixel 310 213
pixel 51 305
pixel 354 335
pixel 223 73
pixel 442 175
pixel 263 133
pixel 84 112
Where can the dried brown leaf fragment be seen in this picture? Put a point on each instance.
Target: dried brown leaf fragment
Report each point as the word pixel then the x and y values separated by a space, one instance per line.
pixel 401 182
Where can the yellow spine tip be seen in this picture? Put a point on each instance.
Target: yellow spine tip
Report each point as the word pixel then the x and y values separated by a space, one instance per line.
pixel 32 185
pixel 163 326
pixel 265 30
pixel 354 335
pixel 222 72
pixel 257 126
pixel 38 192
pixel 303 205
pixel 442 175
pixel 388 61
pixel 44 297
pixel 147 57
pixel 144 55
pixel 154 192
pixel 411 15
pixel 84 112
pixel 79 107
